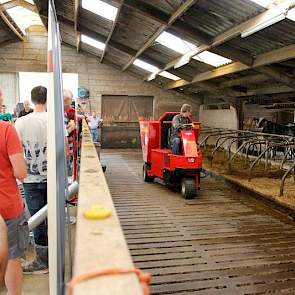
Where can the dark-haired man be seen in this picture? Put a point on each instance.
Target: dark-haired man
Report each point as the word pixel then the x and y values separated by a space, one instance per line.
pixel 32 130
pixel 178 122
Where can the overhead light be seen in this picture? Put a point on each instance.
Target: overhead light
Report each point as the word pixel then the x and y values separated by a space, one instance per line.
pixel 100 8
pixel 271 19
pixel 92 42
pixel 169 76
pixel 145 66
pixel 175 43
pixel 212 58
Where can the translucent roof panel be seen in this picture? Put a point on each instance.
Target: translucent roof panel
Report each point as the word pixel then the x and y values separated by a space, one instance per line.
pixel 263 3
pixel 101 8
pixel 175 43
pixel 291 14
pixel 92 42
pixel 211 58
pixel 145 66
pixel 169 76
pixel 23 17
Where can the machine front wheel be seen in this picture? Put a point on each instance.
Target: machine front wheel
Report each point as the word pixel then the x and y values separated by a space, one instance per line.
pixel 188 188
pixel 146 177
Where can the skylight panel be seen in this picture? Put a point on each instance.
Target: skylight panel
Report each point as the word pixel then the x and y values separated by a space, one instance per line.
pixel 169 76
pixel 263 3
pixel 291 14
pixel 144 65
pixel 92 42
pixel 211 58
pixel 24 18
pixel 175 43
pixel 101 8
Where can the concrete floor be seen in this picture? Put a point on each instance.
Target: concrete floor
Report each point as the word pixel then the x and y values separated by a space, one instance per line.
pixel 38 284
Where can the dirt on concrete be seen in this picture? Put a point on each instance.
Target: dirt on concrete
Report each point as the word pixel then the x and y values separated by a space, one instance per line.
pixel 265 181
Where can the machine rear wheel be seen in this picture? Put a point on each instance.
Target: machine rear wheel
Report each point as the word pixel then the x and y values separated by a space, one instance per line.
pixel 188 188
pixel 146 177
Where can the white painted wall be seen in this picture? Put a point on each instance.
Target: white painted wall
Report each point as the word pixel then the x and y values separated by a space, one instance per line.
pixel 219 118
pixel 9 86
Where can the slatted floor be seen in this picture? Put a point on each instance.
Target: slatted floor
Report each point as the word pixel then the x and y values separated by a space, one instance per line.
pixel 223 242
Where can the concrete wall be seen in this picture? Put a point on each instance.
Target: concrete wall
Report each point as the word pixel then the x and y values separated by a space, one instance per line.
pixel 100 79
pixel 222 118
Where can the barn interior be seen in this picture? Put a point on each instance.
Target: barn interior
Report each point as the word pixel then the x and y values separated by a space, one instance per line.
pixel 233 61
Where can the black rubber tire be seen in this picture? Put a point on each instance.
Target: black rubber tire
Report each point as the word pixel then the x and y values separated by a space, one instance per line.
pixel 188 188
pixel 146 178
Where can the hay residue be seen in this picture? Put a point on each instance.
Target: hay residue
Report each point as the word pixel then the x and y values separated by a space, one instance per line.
pixel 265 181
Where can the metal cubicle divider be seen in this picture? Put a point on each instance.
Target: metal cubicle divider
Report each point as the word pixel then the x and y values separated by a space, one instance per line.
pixel 57 175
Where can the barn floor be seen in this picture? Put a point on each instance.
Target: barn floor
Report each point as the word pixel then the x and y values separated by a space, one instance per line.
pixel 222 242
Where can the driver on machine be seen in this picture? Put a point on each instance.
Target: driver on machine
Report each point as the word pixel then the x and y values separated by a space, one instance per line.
pixel 179 122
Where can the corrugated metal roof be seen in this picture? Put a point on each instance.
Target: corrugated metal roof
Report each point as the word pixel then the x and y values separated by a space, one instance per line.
pixel 65 8
pixel 167 6
pixel 214 17
pixel 4 35
pixel 278 35
pixel 133 29
pixel 94 22
pixel 117 57
pixel 161 53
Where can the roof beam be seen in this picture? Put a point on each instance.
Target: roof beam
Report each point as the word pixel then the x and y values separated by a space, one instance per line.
pixel 112 30
pixel 102 38
pixel 14 3
pixel 254 92
pixel 78 44
pixel 19 35
pixel 274 56
pixel 250 79
pixel 180 11
pixel 178 27
pixel 147 10
pixel 28 6
pixel 248 60
pixel 277 75
pixel 226 36
pixel 123 48
pixel 76 17
pixel 9 4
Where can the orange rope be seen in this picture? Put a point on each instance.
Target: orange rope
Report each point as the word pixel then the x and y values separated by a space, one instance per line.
pixel 144 278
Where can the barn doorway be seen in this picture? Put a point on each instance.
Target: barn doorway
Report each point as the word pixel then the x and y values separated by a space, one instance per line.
pixel 121 114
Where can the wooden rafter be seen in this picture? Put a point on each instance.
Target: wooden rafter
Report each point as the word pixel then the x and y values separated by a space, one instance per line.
pixel 180 11
pixel 226 36
pixel 19 35
pixel 28 6
pixel 111 31
pixel 250 79
pixel 9 4
pixel 76 19
pixel 274 56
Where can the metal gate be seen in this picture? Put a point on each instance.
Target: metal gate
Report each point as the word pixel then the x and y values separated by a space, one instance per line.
pixel 121 114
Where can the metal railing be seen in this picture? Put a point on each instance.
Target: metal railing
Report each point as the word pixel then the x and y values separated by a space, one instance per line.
pixel 254 147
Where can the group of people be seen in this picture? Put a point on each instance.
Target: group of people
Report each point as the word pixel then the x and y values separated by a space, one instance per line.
pixel 23 158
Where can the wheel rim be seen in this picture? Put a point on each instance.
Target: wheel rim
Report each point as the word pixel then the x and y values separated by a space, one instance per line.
pixel 183 190
pixel 144 173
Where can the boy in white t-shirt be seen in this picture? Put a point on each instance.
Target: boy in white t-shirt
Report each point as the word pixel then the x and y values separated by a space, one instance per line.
pixel 32 130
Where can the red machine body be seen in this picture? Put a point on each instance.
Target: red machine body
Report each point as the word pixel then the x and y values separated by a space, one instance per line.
pixel 159 161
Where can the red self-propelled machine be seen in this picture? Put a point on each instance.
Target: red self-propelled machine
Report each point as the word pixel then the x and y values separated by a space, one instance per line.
pixel 159 162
